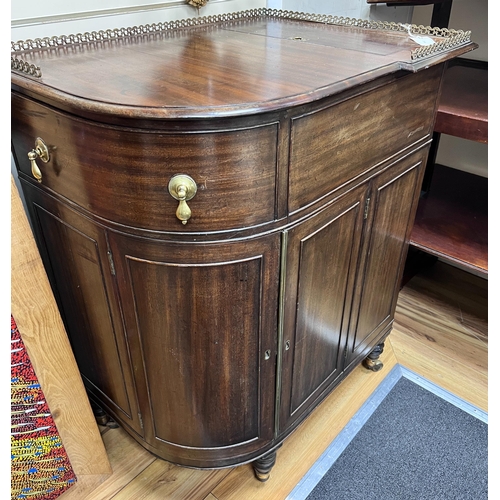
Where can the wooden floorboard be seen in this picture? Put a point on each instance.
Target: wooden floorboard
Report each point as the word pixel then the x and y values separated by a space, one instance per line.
pixel 127 458
pixel 440 332
pixel 85 486
pixel 162 480
pixel 443 371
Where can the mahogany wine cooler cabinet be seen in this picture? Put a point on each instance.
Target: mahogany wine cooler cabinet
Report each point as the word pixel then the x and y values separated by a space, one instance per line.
pixel 223 206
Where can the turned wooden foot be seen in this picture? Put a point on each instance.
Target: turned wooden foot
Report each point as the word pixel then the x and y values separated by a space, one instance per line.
pixel 372 361
pixel 100 415
pixel 102 418
pixel 262 466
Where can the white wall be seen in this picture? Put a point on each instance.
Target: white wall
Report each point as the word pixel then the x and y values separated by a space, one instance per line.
pixel 32 18
pixel 348 8
pixel 465 15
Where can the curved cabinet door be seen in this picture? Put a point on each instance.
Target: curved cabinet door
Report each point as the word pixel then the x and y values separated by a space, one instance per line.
pixel 322 256
pixel 74 252
pixel 393 201
pixel 201 321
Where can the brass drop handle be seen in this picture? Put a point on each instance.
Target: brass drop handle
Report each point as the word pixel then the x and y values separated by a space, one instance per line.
pixel 40 151
pixel 182 188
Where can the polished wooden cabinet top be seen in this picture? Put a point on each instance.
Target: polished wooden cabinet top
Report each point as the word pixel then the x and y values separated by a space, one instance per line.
pixel 233 64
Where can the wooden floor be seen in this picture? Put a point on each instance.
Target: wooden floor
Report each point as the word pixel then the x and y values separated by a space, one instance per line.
pixel 440 333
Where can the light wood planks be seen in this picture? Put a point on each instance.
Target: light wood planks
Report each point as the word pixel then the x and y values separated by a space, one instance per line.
pixel 441 331
pixel 37 316
pixel 162 480
pixel 443 371
pixel 128 459
pixel 84 487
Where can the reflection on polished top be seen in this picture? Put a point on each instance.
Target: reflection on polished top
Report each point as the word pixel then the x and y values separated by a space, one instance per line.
pixel 231 64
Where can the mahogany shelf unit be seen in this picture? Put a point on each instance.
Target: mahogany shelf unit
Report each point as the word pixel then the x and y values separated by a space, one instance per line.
pixel 452 217
pixel 463 106
pixel 452 220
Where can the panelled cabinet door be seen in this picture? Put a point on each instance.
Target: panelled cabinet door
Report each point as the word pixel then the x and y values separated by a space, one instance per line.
pixel 201 322
pixel 74 251
pixel 321 259
pixel 393 198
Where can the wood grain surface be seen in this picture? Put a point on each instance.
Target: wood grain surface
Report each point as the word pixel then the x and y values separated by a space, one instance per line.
pixel 37 316
pixel 234 168
pixel 336 144
pixel 440 333
pixel 223 68
pixel 452 219
pixel 305 446
pixel 463 107
pixel 148 315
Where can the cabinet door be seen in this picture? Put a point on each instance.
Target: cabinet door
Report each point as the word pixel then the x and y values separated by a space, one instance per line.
pixel 74 252
pixel 201 319
pixel 321 259
pixel 393 200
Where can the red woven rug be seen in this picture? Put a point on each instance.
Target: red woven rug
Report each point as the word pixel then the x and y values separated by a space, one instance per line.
pixel 40 467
